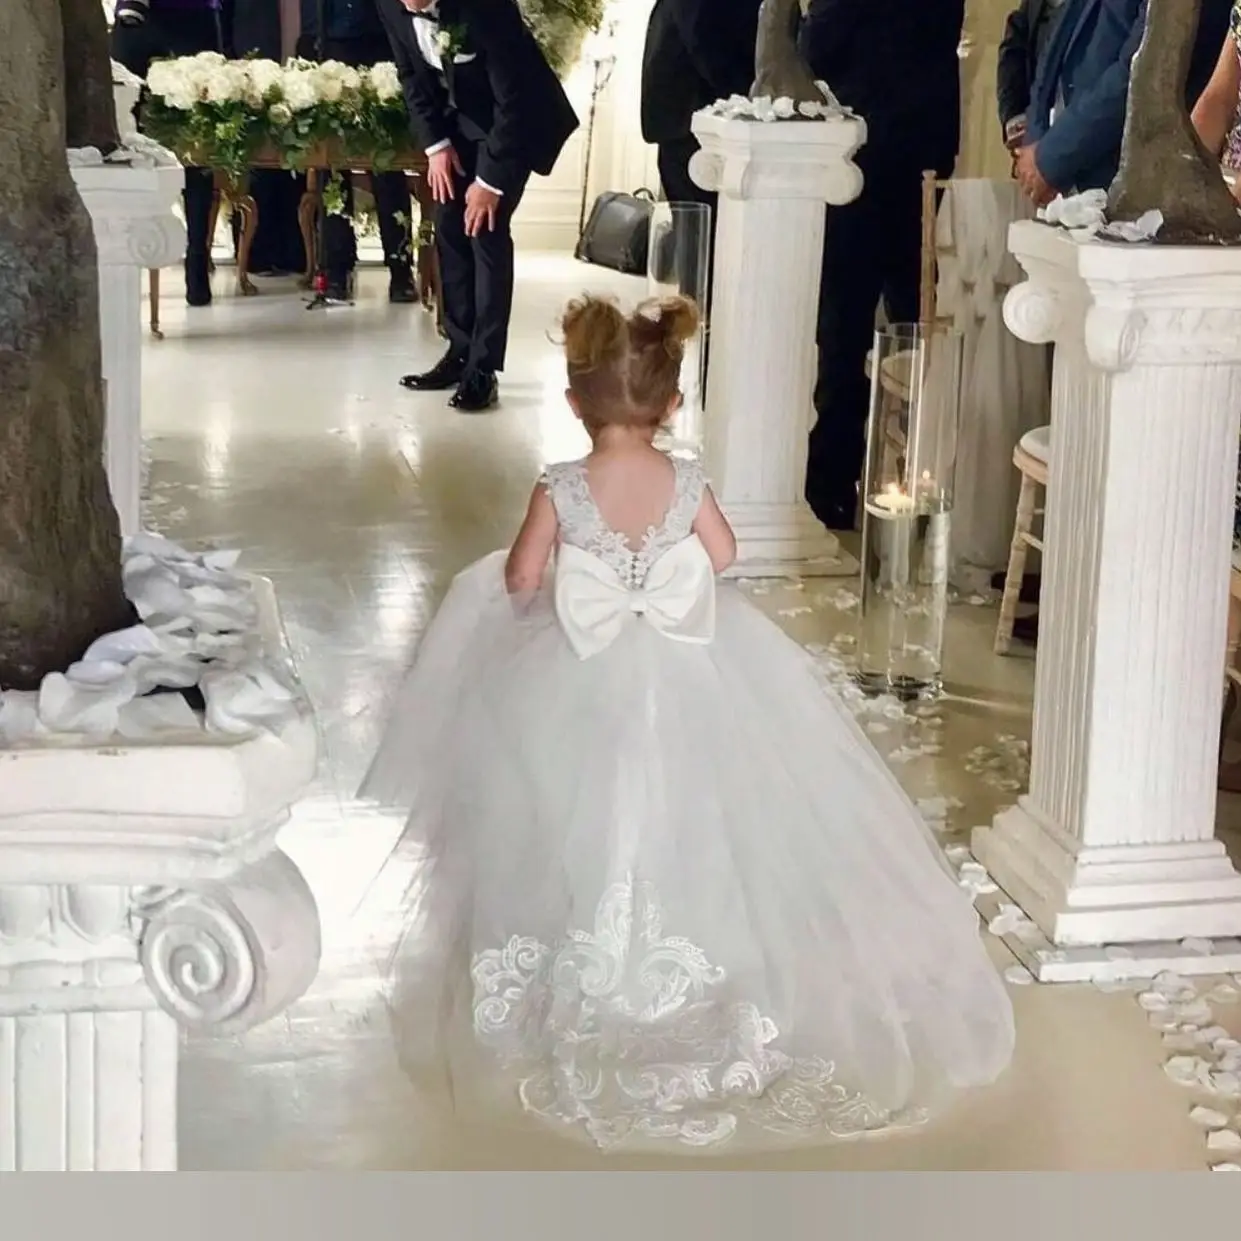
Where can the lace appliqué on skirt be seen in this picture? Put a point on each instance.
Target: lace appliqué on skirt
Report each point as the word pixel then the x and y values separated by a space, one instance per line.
pixel 623 1030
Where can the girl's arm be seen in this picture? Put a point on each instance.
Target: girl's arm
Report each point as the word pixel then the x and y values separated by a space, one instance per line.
pixel 716 535
pixel 532 549
pixel 1216 110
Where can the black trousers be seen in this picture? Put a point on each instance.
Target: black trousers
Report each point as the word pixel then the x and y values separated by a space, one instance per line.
pixel 679 186
pixel 277 247
pixel 177 32
pixel 392 205
pixel 391 190
pixel 872 253
pixel 476 272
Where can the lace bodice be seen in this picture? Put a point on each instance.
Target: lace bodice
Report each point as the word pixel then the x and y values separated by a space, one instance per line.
pixel 582 525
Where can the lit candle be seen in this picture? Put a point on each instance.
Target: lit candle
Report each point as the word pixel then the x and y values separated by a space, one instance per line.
pixel 892 501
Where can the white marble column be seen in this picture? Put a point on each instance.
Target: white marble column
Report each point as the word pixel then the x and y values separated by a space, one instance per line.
pixel 1115 841
pixel 135 229
pixel 774 181
pixel 140 891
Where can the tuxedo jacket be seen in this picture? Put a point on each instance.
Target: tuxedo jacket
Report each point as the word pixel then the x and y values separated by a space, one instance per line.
pixel 895 62
pixel 697 51
pixel 496 90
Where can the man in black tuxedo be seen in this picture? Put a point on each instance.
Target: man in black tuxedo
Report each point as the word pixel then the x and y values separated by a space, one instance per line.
pixel 895 62
pixel 697 51
pixel 489 111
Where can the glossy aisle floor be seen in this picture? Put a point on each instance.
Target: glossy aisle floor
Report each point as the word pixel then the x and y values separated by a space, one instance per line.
pixel 284 433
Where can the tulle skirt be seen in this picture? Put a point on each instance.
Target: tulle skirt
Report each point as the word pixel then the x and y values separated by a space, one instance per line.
pixel 673 893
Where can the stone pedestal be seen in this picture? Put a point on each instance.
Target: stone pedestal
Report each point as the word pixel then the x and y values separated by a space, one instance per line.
pixel 1115 841
pixel 140 890
pixel 135 229
pixel 774 181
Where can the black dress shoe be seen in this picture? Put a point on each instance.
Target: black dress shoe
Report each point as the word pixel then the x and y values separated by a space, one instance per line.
pixel 401 290
pixel 447 373
pixel 479 390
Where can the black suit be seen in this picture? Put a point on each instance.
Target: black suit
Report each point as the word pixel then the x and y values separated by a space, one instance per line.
pixel 507 116
pixel 896 64
pixel 697 51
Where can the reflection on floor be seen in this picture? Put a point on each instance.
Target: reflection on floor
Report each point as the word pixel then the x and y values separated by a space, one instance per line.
pixel 284 433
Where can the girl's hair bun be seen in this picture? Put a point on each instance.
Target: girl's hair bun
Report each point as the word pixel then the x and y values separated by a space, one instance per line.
pixel 595 333
pixel 667 321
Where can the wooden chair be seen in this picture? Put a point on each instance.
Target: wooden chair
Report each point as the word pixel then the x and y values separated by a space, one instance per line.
pixel 1031 458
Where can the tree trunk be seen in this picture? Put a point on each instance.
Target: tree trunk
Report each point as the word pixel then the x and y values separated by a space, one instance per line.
pixel 60 547
pixel 90 112
pixel 1163 164
pixel 780 70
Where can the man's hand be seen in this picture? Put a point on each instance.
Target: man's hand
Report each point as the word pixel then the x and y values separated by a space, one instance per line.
pixel 440 169
pixel 481 205
pixel 1035 185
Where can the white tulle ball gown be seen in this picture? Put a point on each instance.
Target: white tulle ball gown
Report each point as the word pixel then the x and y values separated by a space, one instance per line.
pixel 676 897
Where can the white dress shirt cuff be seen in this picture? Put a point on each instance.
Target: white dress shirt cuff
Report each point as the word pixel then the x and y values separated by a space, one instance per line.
pixel 492 188
pixel 437 147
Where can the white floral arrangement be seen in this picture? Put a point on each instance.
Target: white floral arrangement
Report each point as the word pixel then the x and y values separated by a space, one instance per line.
pixel 768 110
pixel 218 112
pixel 189 81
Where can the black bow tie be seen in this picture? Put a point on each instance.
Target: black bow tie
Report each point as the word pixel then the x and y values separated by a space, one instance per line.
pixel 425 15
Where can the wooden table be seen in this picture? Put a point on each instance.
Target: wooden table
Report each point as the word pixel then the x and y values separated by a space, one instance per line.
pixel 412 163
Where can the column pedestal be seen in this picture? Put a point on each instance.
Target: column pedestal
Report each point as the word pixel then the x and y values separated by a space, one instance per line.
pixel 135 229
pixel 774 181
pixel 1115 842
pixel 140 891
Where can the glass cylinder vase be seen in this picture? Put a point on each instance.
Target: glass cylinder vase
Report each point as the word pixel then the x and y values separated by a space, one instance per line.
pixel 679 263
pixel 911 455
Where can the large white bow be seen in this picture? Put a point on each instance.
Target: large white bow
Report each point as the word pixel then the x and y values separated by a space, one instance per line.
pixel 594 605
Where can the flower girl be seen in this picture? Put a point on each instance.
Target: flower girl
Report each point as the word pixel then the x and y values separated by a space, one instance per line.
pixel 678 896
